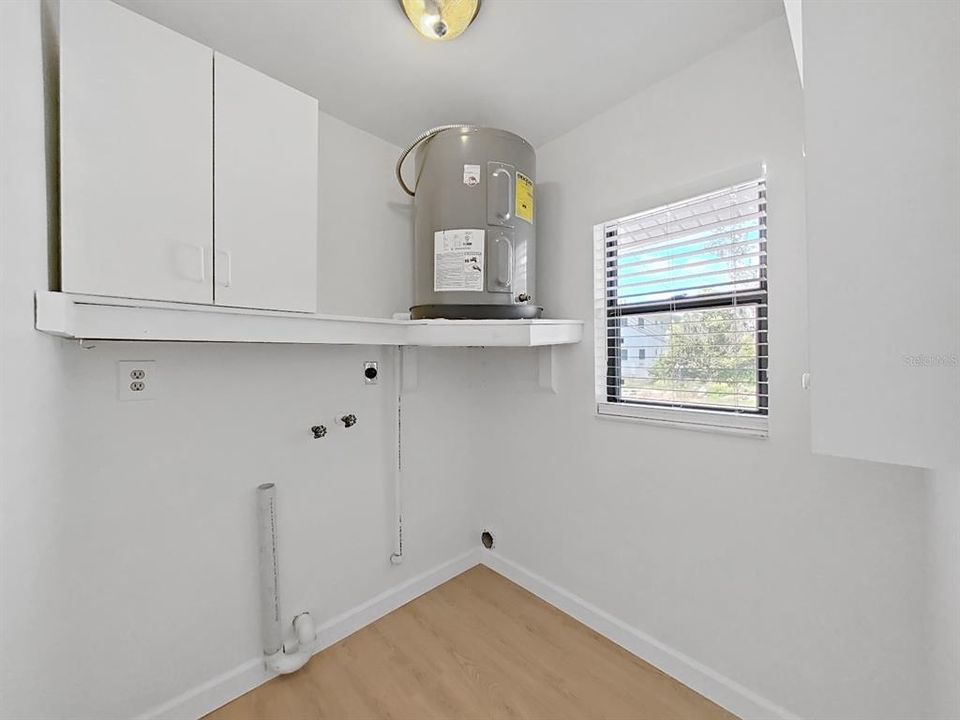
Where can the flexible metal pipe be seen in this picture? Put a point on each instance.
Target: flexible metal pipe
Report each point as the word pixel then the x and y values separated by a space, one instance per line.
pixel 425 135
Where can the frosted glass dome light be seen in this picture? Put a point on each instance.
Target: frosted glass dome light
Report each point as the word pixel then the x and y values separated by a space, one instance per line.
pixel 441 19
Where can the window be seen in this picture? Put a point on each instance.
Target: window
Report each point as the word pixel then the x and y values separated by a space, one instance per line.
pixel 682 311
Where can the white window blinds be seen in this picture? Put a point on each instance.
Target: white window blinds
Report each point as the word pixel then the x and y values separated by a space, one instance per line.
pixel 682 305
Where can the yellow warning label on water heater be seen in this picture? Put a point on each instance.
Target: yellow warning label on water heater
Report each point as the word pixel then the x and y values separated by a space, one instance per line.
pixel 524 197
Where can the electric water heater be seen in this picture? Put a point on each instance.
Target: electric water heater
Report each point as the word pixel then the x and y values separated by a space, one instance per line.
pixel 475 224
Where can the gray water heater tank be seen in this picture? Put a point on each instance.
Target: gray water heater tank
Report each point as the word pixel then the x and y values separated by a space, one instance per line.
pixel 475 224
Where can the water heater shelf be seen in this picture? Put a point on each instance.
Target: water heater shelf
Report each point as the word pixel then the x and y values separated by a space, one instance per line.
pixel 88 317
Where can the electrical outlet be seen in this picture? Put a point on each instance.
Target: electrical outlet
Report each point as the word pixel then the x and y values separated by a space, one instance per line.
pixel 136 380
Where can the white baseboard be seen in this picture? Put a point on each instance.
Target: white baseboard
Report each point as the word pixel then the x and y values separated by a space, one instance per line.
pixel 709 683
pixel 216 692
pixel 220 690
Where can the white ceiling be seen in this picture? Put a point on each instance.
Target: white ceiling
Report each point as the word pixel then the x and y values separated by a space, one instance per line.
pixel 536 67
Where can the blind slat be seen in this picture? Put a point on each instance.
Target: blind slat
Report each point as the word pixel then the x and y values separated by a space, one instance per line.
pixel 704 206
pixel 643 237
pixel 628 271
pixel 628 260
pixel 731 288
pixel 675 273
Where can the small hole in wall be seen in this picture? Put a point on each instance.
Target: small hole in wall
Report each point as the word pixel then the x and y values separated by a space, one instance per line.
pixel 486 539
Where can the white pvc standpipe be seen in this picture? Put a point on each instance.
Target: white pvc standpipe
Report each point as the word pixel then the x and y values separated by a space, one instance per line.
pixel 277 657
pixel 269 570
pixel 397 556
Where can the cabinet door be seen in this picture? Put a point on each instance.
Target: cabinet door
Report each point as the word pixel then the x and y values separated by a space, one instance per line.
pixel 136 118
pixel 882 97
pixel 265 180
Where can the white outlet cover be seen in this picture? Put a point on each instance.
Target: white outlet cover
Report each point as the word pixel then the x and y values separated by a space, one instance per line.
pixel 132 373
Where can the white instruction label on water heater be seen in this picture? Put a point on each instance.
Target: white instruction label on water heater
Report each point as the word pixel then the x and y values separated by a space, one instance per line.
pixel 458 261
pixel 471 175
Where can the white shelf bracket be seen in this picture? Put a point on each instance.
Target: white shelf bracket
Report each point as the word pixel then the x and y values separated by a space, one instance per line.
pixel 547 371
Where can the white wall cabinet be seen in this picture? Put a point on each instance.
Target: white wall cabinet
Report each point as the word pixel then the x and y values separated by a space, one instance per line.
pixel 265 191
pixel 185 176
pixel 136 157
pixel 882 97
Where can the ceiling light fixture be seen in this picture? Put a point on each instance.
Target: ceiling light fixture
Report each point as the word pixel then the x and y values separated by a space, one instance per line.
pixel 440 19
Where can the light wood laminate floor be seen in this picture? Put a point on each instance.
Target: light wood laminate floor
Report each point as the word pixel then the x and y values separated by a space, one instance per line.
pixel 478 646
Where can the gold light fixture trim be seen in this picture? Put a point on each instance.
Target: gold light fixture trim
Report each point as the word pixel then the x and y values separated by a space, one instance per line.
pixel 440 19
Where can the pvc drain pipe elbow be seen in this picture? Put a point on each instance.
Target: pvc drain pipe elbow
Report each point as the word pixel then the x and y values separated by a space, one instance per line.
pixel 297 653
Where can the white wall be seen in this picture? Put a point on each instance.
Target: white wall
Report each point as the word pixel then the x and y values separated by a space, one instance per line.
pixel 127 530
pixel 798 576
pixel 794 13
pixel 366 225
pixel 883 229
pixel 944 592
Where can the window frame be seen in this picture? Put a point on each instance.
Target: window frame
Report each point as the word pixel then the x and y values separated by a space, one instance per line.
pixel 752 422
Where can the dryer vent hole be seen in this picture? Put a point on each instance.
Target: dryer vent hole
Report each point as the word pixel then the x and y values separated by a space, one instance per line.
pixel 487 540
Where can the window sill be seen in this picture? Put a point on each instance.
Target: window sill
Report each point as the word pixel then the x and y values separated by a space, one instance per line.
pixel 688 419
